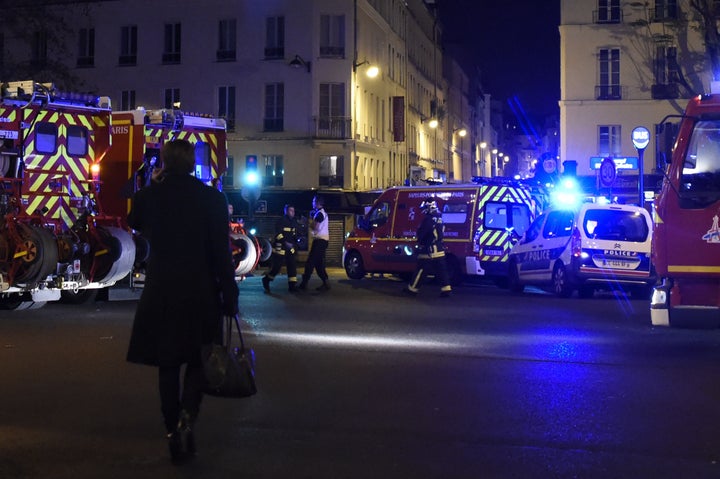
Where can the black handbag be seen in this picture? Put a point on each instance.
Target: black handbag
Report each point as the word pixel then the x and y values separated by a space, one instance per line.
pixel 229 371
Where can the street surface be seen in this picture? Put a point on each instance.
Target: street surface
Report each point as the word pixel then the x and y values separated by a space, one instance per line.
pixel 363 382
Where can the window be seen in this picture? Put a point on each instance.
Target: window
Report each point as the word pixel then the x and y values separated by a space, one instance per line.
pixel 665 10
pixel 86 47
pixel 46 137
pixel 331 171
pixel 609 69
pixel 172 98
pixel 39 49
pixel 274 170
pixel 666 67
pixel 171 49
pixel 378 216
pixel 615 225
pixel 332 36
pixel 559 224
pixel 227 33
pixel 127 100
pixel 454 213
pixel 502 215
pixel 608 11
pixel 274 109
pixel 226 105
pixel 228 177
pixel 700 179
pixel 332 110
pixel 128 45
pixel 609 140
pixel 203 159
pixel 275 37
pixel 77 140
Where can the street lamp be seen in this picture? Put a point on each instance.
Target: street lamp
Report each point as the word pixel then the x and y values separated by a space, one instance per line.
pixel 483 145
pixel 494 161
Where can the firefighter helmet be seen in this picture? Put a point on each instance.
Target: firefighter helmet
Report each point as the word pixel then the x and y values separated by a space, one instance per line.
pixel 428 206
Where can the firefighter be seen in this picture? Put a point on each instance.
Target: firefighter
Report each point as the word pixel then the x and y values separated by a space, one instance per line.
pixel 431 251
pixel 284 250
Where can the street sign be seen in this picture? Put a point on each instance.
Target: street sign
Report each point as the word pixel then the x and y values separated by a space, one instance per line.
pixel 608 173
pixel 640 137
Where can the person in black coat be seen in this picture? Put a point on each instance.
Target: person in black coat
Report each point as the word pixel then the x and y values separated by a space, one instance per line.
pixel 284 251
pixel 431 251
pixel 190 284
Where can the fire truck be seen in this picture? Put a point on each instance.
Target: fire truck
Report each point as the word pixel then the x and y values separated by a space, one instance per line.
pixel 482 221
pixel 54 234
pixel 137 137
pixel 686 239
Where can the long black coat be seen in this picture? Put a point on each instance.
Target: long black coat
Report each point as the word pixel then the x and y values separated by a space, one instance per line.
pixel 189 273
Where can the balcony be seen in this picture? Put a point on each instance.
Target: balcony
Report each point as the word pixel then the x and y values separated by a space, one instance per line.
pixel 609 92
pixel 332 127
pixel 665 92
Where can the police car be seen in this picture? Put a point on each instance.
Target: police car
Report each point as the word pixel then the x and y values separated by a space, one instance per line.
pixel 587 248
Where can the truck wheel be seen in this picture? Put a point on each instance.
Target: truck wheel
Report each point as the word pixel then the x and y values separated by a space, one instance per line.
pixel 514 278
pixel 354 267
pixel 561 285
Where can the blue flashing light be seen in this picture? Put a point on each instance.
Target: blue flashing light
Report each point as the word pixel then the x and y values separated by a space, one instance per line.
pixel 566 194
pixel 252 178
pixel 253 231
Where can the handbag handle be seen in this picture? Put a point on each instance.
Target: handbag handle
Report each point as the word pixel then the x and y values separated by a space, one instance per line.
pixel 228 331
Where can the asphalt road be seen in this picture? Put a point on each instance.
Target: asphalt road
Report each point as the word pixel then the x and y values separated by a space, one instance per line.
pixel 364 382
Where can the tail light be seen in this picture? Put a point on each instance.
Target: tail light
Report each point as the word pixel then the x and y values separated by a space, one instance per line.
pixel 576 243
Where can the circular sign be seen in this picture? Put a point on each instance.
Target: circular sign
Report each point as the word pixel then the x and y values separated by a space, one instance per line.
pixel 607 172
pixel 641 137
pixel 549 165
pixel 250 193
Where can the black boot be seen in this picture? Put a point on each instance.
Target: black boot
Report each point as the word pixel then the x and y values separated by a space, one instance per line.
pixel 266 284
pixel 187 436
pixel 177 455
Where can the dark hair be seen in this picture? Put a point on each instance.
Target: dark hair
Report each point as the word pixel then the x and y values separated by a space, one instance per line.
pixel 319 200
pixel 178 157
pixel 289 205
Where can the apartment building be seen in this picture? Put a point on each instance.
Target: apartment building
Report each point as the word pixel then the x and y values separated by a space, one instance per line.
pixel 624 65
pixel 341 94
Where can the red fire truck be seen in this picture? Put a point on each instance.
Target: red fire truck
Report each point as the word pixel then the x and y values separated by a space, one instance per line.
pixel 137 137
pixel 686 239
pixel 54 234
pixel 482 221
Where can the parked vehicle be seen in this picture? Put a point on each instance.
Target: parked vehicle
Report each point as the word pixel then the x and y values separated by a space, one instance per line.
pixel 595 246
pixel 686 242
pixel 481 222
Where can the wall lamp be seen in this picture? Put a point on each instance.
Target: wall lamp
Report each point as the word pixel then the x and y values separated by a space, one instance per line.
pixel 432 122
pixel 298 62
pixel 372 70
pixel 460 131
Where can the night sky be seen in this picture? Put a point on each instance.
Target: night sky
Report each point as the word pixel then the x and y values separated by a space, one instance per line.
pixel 514 43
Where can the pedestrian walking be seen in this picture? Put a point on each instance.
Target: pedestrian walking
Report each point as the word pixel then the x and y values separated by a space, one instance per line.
pixel 190 285
pixel 431 251
pixel 319 226
pixel 284 250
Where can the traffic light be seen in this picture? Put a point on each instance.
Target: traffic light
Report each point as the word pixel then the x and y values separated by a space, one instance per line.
pixel 251 174
pixel 250 163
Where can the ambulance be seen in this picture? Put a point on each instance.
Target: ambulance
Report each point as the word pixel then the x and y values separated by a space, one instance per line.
pixel 482 220
pixel 686 240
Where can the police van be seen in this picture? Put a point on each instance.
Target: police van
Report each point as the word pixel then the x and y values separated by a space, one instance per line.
pixel 596 246
pixel 481 221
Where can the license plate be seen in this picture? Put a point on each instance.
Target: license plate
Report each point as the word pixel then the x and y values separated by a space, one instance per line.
pixel 617 264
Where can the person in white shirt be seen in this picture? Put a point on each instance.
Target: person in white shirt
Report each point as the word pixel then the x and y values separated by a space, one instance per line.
pixel 319 223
